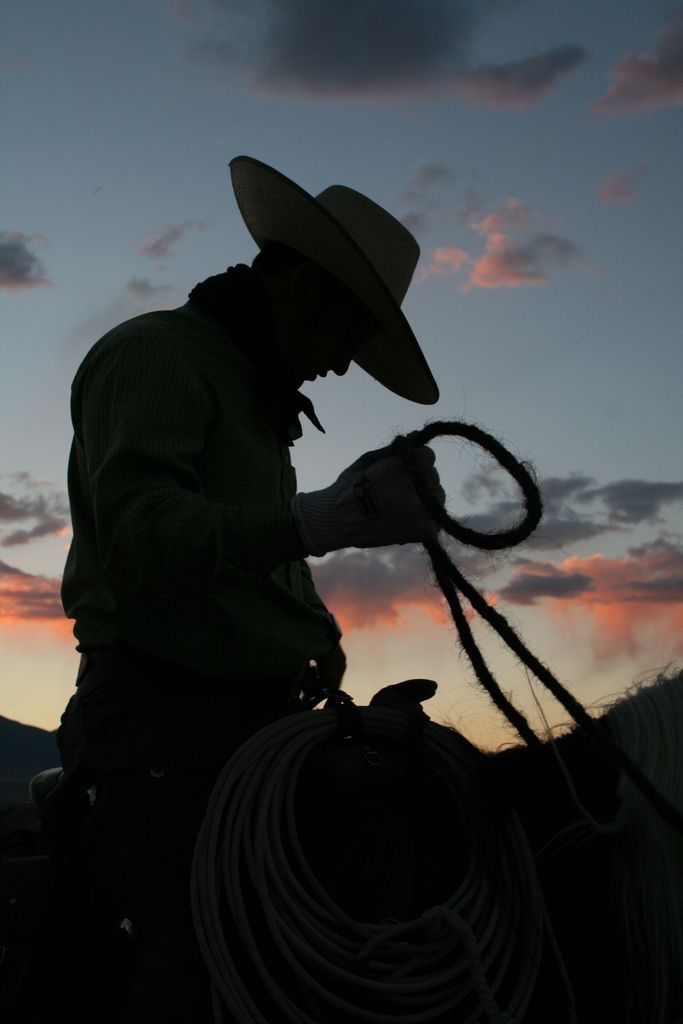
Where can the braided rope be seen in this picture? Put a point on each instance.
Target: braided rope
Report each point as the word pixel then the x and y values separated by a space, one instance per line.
pixel 250 877
pixel 451 580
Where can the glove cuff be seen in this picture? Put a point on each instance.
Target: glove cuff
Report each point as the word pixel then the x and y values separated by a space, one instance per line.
pixel 314 516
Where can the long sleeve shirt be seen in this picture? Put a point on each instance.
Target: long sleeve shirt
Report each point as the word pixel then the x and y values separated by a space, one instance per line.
pixel 184 545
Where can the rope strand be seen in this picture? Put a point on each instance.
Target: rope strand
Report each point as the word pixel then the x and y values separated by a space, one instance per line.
pixel 451 580
pixel 483 673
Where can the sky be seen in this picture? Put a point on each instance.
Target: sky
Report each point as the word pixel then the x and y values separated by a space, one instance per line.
pixel 533 147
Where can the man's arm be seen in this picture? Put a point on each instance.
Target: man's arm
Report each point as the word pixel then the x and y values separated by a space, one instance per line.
pixel 141 420
pixel 330 666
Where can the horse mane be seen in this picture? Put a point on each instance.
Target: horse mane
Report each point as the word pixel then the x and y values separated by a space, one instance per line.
pixel 647 723
pixel 641 854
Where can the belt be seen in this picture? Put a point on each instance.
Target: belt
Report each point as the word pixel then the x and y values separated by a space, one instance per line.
pixel 136 667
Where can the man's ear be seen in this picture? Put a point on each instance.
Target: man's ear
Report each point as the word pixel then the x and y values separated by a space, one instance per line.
pixel 306 289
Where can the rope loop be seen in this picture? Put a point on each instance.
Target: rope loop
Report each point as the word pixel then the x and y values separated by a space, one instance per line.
pixel 452 582
pixel 257 903
pixel 522 474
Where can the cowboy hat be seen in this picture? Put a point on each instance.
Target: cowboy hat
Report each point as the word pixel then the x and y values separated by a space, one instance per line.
pixel 358 242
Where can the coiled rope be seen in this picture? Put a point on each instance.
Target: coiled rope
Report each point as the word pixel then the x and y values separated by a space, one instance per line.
pixel 452 581
pixel 255 900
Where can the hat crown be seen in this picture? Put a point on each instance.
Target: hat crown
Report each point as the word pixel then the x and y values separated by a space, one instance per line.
pixel 361 244
pixel 386 243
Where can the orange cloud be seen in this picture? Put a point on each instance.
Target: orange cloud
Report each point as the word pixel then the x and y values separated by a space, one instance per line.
pixel 503 265
pixel 59 629
pixel 24 597
pixel 510 264
pixel 374 587
pixel 507 262
pixel 353 612
pixel 631 600
pixel 647 81
pixel 445 260
pixel 626 629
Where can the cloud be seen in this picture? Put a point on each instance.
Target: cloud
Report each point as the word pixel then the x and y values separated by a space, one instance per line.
pixel 508 260
pixel 19 267
pixel 162 244
pixel 630 502
pixel 563 525
pixel 560 527
pixel 419 221
pixel 542 579
pixel 625 503
pixel 559 489
pixel 510 264
pixel 521 84
pixel 24 597
pixel 643 82
pixel 199 14
pixel 425 209
pixel 445 260
pixel 373 587
pixel 351 48
pixel 360 50
pixel 366 588
pixel 555 531
pixel 142 288
pixel 511 215
pixel 632 600
pixel 429 175
pixel 621 188
pixel 629 603
pixel 42 510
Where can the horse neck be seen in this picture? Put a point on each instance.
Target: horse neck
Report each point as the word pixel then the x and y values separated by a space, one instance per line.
pixel 648 870
pixel 563 787
pixel 648 724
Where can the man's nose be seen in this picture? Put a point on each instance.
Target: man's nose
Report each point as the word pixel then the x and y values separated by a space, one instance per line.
pixel 341 364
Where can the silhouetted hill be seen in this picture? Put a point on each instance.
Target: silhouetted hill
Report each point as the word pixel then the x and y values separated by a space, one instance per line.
pixel 24 751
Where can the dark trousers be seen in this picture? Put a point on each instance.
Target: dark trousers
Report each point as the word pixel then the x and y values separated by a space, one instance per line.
pixel 142 745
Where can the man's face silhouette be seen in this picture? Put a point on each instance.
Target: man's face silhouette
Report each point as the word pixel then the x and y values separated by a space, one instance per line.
pixel 318 330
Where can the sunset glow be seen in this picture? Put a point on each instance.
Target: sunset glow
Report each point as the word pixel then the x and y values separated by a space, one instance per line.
pixel 533 150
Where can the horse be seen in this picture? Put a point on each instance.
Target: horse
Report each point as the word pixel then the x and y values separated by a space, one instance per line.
pixel 381 867
pixel 648 869
pixel 369 864
pixel 610 868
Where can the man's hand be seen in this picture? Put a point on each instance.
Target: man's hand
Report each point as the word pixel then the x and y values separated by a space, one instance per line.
pixel 331 668
pixel 371 504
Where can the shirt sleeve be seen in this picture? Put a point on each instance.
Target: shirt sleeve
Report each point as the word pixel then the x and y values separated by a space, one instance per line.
pixel 141 415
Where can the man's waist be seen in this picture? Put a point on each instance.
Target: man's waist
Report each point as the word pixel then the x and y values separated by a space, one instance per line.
pixel 131 666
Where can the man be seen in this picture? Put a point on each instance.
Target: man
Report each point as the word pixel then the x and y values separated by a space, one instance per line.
pixel 195 613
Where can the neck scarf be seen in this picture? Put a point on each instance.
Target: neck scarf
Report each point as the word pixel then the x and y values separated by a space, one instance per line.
pixel 238 300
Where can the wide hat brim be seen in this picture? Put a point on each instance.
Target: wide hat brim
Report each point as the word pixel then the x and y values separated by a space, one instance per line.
pixel 276 209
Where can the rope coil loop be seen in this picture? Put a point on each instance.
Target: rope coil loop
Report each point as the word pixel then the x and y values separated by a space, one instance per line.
pixel 451 580
pixel 404 446
pixel 277 946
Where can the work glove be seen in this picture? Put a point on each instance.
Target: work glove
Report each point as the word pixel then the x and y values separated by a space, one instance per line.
pixel 371 504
